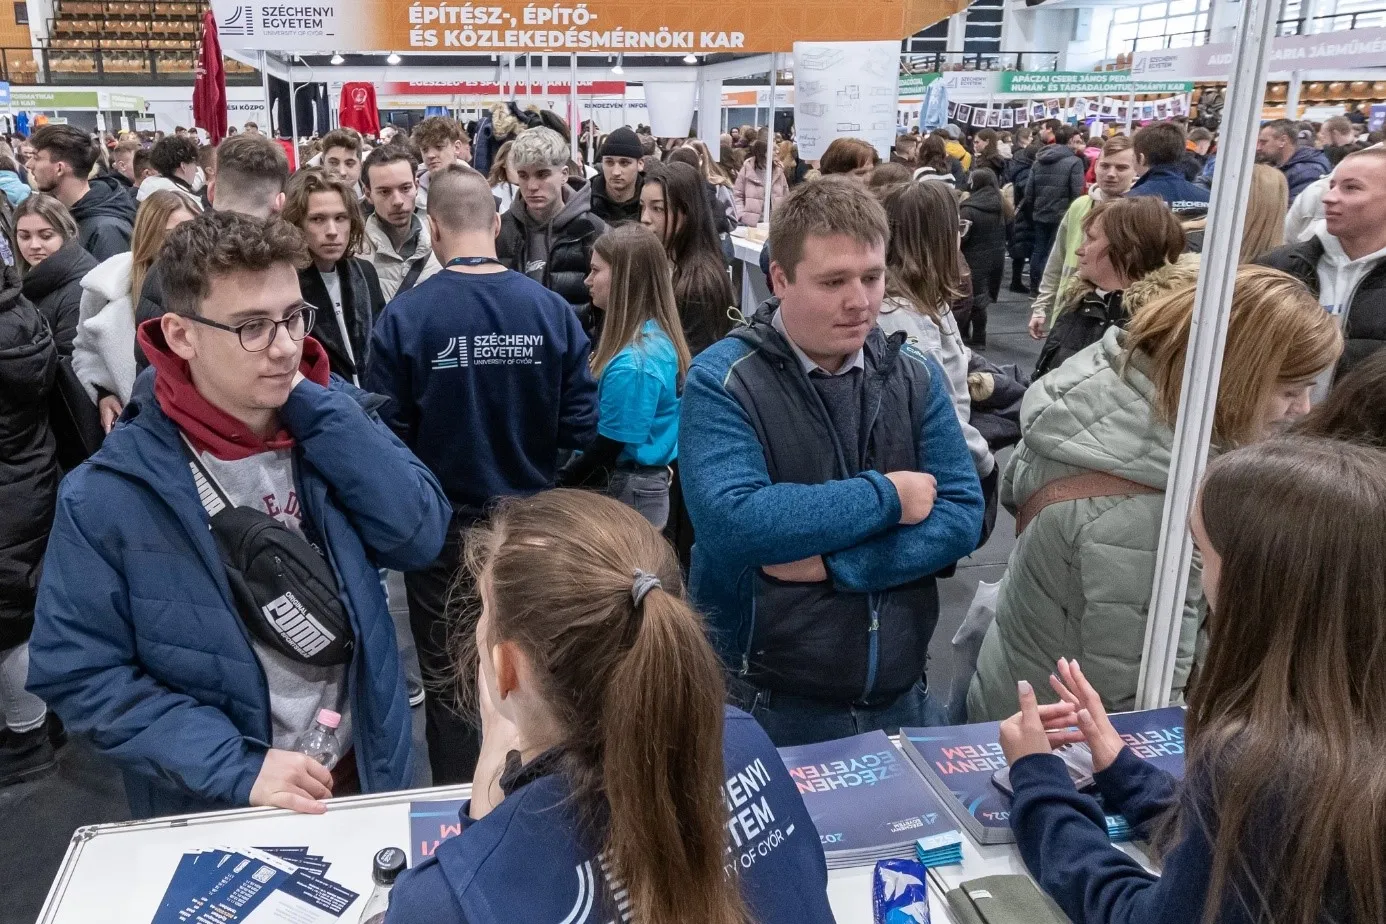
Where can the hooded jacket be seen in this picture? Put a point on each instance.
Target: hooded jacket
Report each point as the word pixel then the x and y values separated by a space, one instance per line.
pixel 1078 581
pixel 1304 167
pixel 390 266
pixel 15 189
pixel 1364 327
pixel 557 255
pixel 1185 199
pixel 362 302
pixel 28 460
pixel 103 353
pixel 984 247
pixel 105 218
pixel 471 878
pixel 611 211
pixel 766 480
pixel 55 286
pixel 137 642
pixel 749 192
pixel 1055 181
pixel 1085 321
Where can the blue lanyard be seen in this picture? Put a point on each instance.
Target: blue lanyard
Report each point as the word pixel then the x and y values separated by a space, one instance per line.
pixel 472 261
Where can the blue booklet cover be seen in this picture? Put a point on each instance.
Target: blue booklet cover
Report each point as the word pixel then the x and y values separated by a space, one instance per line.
pixel 865 798
pixel 960 760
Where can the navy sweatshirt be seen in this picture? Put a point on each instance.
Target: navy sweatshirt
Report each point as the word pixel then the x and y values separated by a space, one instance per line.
pixel 1063 840
pixel 526 860
pixel 488 379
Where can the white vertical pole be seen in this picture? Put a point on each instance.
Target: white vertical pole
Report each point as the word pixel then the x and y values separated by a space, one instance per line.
pixel 293 105
pixel 1207 339
pixel 264 86
pixel 573 97
pixel 770 140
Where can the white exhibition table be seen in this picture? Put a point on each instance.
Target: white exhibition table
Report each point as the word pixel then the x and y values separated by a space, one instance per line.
pixel 117 873
pixel 754 288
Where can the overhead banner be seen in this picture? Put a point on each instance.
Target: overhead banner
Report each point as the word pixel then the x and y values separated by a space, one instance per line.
pixel 845 89
pixel 1049 83
pixel 492 88
pixel 1327 50
pixel 598 26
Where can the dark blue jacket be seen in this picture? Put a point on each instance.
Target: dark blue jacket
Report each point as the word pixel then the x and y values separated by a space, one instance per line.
pixel 1062 837
pixel 1305 166
pixel 766 482
pixel 526 862
pixel 1168 182
pixel 137 642
pixel 487 412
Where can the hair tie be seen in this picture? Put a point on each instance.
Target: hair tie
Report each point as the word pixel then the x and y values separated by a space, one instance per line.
pixel 644 583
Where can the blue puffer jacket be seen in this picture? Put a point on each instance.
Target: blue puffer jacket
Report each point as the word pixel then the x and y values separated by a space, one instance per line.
pixel 1304 167
pixel 137 643
pixel 1168 183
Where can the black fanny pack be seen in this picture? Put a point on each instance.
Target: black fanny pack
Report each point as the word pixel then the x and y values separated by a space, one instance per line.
pixel 284 589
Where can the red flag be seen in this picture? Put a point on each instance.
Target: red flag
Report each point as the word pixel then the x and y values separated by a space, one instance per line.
pixel 209 90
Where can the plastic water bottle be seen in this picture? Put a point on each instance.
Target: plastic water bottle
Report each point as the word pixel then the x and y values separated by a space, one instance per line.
pixel 320 742
pixel 386 867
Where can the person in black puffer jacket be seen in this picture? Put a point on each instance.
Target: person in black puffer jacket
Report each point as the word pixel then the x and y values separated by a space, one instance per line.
pixel 1021 238
pixel 28 493
pixel 55 263
pixel 984 247
pixel 549 230
pixel 1055 181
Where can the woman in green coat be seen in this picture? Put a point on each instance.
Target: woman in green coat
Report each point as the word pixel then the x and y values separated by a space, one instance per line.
pixel 1079 579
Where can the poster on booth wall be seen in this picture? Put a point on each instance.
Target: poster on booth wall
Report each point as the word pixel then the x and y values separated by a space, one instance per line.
pixel 1008 117
pixel 964 114
pixel 979 116
pixel 845 90
pixel 1037 113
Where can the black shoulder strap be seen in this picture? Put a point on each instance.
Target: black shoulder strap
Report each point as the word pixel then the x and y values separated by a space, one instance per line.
pixel 416 268
pixel 214 499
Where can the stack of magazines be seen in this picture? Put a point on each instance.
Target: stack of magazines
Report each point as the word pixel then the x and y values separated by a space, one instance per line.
pixel 869 803
pixel 966 768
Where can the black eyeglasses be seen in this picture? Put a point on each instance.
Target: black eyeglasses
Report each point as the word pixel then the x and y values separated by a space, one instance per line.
pixel 257 334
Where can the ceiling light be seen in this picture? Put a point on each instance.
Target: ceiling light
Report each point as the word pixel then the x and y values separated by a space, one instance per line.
pixel 690 58
pixel 337 58
pixel 393 59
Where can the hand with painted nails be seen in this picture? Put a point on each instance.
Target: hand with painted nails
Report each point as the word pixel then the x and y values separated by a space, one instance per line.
pixel 1025 733
pixel 1087 713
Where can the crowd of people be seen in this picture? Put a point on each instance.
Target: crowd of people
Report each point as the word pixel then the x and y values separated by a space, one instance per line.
pixel 236 395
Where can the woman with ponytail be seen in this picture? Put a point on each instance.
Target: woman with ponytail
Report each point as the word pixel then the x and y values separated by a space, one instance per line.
pixel 613 783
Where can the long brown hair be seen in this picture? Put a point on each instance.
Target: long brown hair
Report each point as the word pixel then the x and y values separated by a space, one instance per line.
pixel 642 289
pixel 636 690
pixel 300 191
pixel 701 282
pixel 1354 409
pixel 1276 333
pixel 1142 236
pixel 149 232
pixel 1287 722
pixel 922 256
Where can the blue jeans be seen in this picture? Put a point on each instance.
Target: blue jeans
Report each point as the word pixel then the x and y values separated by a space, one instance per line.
pixel 1039 256
pixel 794 720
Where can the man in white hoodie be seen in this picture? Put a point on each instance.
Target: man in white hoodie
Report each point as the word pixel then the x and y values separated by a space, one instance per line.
pixel 1344 262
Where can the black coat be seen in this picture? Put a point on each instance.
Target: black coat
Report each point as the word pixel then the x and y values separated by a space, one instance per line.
pixel 105 218
pixel 1018 175
pixel 1080 327
pixel 55 286
pixel 570 258
pixel 28 459
pixel 362 302
pixel 611 211
pixel 1366 316
pixel 1056 179
pixel 151 306
pixel 984 247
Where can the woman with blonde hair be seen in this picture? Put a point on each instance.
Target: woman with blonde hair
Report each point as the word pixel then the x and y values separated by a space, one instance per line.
pixel 607 753
pixel 54 263
pixel 1079 578
pixel 504 183
pixel 639 365
pixel 103 354
pixel 1263 226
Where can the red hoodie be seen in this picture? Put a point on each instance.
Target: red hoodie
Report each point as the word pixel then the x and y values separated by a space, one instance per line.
pixel 208 427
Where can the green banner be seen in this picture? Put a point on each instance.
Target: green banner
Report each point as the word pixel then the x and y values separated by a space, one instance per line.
pixel 914 84
pixel 39 98
pixel 125 102
pixel 1065 83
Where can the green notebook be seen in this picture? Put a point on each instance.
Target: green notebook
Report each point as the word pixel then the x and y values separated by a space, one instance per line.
pixel 1003 900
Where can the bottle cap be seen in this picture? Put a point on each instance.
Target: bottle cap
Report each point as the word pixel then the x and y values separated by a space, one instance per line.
pixel 389 863
pixel 329 718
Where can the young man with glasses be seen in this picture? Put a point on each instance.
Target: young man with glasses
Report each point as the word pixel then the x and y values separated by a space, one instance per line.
pixel 140 640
